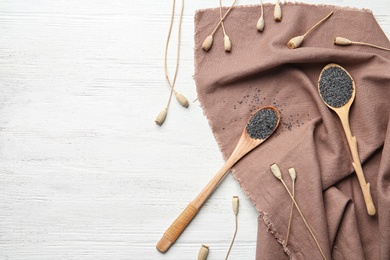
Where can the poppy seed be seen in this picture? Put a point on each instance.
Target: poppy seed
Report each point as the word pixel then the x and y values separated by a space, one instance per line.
pixel 262 124
pixel 335 87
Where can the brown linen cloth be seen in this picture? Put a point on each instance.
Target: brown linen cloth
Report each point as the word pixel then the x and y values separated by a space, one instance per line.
pixel 260 71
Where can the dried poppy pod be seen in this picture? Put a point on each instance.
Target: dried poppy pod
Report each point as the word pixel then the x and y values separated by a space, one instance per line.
pixel 227 43
pixel 293 173
pixel 203 252
pixel 342 41
pixel 207 43
pixel 260 24
pixel 161 117
pixel 277 12
pixel 276 171
pixel 235 203
pixel 182 99
pixel 295 42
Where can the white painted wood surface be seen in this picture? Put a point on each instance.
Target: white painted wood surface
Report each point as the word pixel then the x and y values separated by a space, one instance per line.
pixel 84 171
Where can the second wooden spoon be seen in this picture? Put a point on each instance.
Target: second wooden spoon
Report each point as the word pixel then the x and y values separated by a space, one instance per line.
pixel 337 90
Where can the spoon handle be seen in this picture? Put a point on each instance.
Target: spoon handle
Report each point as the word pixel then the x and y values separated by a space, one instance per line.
pixel 352 142
pixel 181 222
pixel 364 186
pixel 244 146
pixel 176 228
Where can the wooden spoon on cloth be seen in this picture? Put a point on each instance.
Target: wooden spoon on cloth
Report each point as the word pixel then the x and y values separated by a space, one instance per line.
pixel 337 90
pixel 259 127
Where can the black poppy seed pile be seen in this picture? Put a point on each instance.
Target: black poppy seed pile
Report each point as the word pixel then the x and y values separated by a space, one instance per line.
pixel 262 124
pixel 254 98
pixel 335 87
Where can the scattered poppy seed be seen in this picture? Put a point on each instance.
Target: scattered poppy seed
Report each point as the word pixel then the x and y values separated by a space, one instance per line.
pixel 335 87
pixel 262 124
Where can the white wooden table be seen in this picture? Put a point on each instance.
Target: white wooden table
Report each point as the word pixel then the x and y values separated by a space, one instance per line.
pixel 84 171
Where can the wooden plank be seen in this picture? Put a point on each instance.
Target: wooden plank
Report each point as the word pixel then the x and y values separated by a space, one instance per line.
pixel 84 171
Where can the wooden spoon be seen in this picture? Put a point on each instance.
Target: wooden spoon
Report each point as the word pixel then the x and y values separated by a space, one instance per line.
pixel 343 113
pixel 245 144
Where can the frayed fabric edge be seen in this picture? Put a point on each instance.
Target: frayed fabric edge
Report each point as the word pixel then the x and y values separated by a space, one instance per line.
pixel 346 8
pixel 336 7
pixel 271 229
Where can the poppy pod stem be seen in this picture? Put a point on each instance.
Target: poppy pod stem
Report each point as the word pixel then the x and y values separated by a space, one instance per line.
pixel 345 41
pixel 180 98
pixel 318 23
pixel 293 176
pixel 278 174
pixel 220 15
pixel 223 18
pixel 297 41
pixel 208 41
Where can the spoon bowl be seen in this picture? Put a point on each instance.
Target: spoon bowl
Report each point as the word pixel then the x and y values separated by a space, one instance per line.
pixel 258 128
pixel 331 94
pixel 337 89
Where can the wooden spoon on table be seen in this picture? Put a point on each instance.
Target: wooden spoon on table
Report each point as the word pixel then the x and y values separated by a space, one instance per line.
pixel 259 127
pixel 333 85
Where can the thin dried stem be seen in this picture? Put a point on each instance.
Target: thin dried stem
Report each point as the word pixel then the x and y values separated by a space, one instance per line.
pixel 220 15
pixel 321 21
pixel 234 237
pixel 304 219
pixel 162 115
pixel 178 47
pixel 172 85
pixel 371 45
pixel 291 211
pixel 224 16
pixel 261 6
